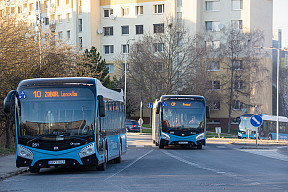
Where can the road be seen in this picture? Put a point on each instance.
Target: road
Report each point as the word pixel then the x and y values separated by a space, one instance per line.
pixel 217 167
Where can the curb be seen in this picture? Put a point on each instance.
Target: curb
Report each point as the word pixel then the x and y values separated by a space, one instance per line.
pixel 14 173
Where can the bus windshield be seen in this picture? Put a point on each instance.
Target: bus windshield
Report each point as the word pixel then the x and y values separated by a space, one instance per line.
pixel 245 125
pixel 47 113
pixel 183 114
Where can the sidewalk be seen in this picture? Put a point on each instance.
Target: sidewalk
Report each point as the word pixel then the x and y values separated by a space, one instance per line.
pixel 8 167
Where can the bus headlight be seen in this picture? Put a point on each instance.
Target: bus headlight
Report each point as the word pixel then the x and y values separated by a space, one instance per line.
pixel 200 137
pixel 88 150
pixel 165 136
pixel 25 153
pixel 239 134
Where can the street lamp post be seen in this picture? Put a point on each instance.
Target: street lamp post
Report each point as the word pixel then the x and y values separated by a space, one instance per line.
pixel 125 69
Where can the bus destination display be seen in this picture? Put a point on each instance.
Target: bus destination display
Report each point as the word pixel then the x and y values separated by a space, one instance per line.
pixel 39 94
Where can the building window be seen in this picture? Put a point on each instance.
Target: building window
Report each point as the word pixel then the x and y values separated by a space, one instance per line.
pixel 237 4
pixel 215 85
pixel 68 34
pixel 213 66
pixel 46 4
pixel 237 105
pixel 59 18
pixel 125 11
pixel 237 24
pixel 238 65
pixel 159 67
pixel 19 9
pixel 125 48
pixel 67 17
pixel 159 8
pixel 212 44
pixel 127 67
pixel 60 35
pixel 212 26
pixel 179 17
pixel 212 5
pixel 158 28
pixel 108 31
pixel 125 30
pixel 139 10
pixel 179 3
pixel 108 12
pixel 238 85
pixel 215 105
pixel 80 43
pixel 158 47
pixel 139 29
pixel 46 21
pixel 80 25
pixel 110 67
pixel 108 49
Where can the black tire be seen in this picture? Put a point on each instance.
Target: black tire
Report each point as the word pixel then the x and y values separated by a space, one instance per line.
pixel 161 146
pixel 199 146
pixel 34 169
pixel 270 137
pixel 102 167
pixel 118 159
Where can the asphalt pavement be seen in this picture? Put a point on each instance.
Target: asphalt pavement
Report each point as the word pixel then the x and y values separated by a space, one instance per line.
pixel 8 163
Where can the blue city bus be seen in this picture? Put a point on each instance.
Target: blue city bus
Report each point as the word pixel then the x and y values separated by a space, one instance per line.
pixel 179 120
pixel 266 131
pixel 67 122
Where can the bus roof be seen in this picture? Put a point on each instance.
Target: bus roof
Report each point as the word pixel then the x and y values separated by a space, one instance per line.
pixel 85 81
pixel 268 117
pixel 166 97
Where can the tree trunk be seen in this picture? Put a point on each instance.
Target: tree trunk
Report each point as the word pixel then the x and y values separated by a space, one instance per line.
pixel 8 131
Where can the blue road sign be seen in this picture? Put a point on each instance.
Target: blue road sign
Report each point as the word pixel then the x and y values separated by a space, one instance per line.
pixel 150 105
pixel 256 120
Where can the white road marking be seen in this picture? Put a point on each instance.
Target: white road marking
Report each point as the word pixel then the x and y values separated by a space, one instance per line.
pixel 267 153
pixel 221 147
pixel 129 165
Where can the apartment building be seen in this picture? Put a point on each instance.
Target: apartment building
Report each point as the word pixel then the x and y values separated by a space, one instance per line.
pixel 111 25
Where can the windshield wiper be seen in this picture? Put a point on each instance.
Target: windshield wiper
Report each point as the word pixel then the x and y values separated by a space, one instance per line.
pixel 41 136
pixel 82 139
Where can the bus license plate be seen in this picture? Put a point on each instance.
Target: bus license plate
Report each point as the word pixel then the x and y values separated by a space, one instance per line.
pixel 56 162
pixel 183 142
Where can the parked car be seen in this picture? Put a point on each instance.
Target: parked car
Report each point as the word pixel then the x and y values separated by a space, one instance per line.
pixel 132 126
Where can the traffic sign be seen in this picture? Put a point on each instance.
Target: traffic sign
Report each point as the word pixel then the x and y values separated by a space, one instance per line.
pixel 140 121
pixel 150 105
pixel 256 120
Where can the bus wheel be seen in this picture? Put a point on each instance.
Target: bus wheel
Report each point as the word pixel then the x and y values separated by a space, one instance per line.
pixel 199 146
pixel 102 167
pixel 34 169
pixel 161 146
pixel 270 137
pixel 118 159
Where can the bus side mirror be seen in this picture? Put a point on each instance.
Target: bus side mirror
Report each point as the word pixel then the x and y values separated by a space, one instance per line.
pixel 207 112
pixel 158 107
pixel 8 101
pixel 101 104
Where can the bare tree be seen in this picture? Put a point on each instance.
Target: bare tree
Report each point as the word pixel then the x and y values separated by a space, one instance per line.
pixel 27 53
pixel 161 63
pixel 242 67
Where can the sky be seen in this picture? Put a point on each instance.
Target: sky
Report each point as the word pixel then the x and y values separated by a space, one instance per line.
pixel 280 19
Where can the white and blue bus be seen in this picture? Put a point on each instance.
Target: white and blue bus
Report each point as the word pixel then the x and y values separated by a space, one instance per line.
pixel 67 122
pixel 179 120
pixel 266 131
